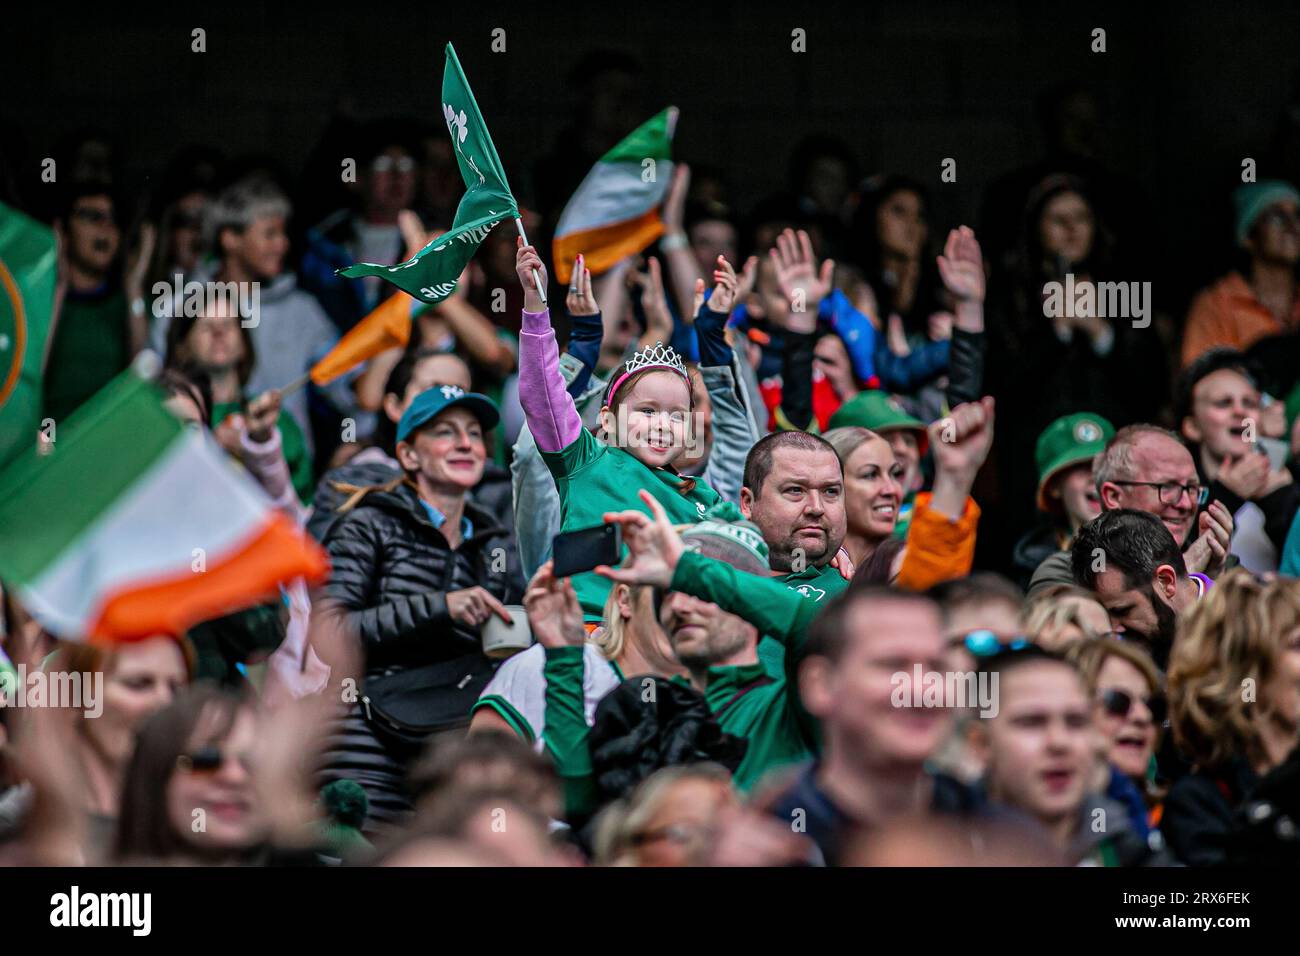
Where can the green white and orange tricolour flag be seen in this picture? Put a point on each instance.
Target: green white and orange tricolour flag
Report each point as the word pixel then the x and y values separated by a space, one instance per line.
pixel 615 211
pixel 134 525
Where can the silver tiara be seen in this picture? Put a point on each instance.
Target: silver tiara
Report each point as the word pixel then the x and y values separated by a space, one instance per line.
pixel 657 355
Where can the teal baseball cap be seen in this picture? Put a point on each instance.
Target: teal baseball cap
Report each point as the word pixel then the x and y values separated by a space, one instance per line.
pixel 432 402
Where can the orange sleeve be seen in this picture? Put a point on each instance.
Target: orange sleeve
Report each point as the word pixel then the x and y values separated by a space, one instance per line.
pixel 938 548
pixel 1205 328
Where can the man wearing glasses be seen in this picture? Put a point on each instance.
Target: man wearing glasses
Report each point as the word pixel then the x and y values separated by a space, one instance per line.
pixel 1147 468
pixel 92 340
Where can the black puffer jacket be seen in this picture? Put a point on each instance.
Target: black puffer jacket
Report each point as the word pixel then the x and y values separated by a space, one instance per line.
pixel 392 570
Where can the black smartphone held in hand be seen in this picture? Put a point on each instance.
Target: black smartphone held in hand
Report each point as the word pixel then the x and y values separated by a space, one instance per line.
pixel 577 551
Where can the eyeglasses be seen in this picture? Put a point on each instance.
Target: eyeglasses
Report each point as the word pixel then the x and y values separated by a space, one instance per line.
pixel 1118 703
pixel 985 643
pixel 386 164
pixel 1171 492
pixel 678 833
pixel 209 759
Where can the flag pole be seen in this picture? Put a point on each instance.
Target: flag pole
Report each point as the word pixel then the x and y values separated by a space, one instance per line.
pixel 537 279
pixel 296 384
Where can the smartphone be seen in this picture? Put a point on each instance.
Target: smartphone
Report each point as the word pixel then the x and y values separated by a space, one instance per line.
pixel 1277 452
pixel 577 551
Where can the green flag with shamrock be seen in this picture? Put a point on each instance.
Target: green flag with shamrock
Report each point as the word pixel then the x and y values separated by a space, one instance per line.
pixel 431 275
pixel 28 268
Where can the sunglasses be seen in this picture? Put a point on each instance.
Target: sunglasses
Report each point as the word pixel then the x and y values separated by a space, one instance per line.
pixel 985 643
pixel 1118 703
pixel 210 759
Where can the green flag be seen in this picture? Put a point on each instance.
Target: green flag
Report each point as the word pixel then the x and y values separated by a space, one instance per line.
pixel 431 276
pixel 28 269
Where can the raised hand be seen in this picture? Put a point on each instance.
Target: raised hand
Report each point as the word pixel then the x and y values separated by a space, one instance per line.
pixel 413 232
pixel 581 300
pixel 262 415
pixel 137 264
pixel 653 544
pixel 659 321
pixel 675 202
pixel 526 261
pixel 801 282
pixel 726 288
pixel 960 443
pixel 961 267
pixel 553 610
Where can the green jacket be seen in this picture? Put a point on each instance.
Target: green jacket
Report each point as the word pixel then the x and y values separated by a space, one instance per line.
pixel 593 478
pixel 757 702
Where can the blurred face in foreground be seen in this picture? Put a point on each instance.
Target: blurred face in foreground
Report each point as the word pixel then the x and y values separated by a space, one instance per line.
pixel 213 786
pixel 142 677
pixel 1040 744
pixel 855 696
pixel 679 831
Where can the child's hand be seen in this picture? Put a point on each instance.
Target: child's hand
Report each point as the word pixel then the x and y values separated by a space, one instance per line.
pixel 526 260
pixel 581 300
pixel 727 285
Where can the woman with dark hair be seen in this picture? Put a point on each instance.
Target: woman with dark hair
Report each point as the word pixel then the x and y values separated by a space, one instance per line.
pixel 217 343
pixel 203 788
pixel 1052 350
pixel 893 231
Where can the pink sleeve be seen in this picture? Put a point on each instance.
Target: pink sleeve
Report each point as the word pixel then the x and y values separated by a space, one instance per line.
pixel 265 462
pixel 552 417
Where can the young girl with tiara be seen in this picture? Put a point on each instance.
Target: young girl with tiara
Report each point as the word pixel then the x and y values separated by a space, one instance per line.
pixel 646 420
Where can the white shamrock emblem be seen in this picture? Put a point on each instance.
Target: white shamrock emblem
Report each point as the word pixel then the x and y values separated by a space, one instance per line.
pixel 456 122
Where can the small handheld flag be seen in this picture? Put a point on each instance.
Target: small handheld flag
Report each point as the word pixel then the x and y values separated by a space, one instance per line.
pixel 615 211
pixel 431 275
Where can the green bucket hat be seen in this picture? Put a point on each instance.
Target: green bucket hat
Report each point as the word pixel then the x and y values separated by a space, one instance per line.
pixel 880 412
pixel 1068 441
pixel 724 534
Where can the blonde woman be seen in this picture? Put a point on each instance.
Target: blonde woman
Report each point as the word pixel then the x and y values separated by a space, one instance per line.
pixel 1234 696
pixel 630 643
pixel 941 535
pixel 1060 615
pixel 669 819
